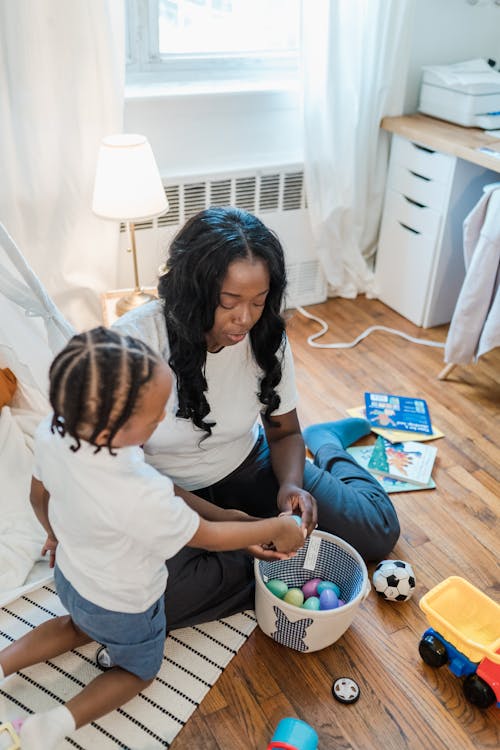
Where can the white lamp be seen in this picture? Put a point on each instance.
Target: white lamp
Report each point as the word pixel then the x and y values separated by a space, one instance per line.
pixel 128 188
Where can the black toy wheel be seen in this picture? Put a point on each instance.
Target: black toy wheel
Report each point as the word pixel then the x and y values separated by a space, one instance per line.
pixel 102 658
pixel 478 692
pixel 432 651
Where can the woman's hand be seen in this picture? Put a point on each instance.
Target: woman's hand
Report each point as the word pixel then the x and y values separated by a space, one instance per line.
pixel 297 501
pixel 50 547
pixel 287 448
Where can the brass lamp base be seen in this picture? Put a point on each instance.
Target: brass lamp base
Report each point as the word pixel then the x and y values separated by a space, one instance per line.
pixel 135 299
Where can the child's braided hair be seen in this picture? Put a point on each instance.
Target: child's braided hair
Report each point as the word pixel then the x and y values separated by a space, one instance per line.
pixel 95 382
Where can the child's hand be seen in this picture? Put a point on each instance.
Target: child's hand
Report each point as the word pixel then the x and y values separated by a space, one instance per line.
pixel 289 537
pixel 50 547
pixel 267 553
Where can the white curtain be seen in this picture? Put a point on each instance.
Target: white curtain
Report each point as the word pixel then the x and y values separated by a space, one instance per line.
pixel 355 59
pixel 32 331
pixel 62 68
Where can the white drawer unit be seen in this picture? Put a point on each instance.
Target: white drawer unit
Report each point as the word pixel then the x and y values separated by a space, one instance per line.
pixel 419 266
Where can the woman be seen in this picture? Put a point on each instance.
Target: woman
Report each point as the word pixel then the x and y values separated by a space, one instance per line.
pixel 218 324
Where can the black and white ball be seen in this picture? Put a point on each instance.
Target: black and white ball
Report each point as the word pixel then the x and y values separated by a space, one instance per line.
pixel 394 580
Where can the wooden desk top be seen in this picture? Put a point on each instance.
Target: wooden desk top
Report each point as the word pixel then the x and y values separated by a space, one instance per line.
pixel 446 137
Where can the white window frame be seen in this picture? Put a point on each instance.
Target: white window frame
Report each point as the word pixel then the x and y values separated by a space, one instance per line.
pixel 144 64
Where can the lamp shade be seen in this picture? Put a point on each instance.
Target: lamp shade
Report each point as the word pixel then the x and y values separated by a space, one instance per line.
pixel 127 183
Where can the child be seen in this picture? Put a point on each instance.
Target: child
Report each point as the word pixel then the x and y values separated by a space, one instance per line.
pixel 111 521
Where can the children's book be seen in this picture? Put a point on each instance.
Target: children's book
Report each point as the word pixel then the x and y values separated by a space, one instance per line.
pixel 398 412
pixel 396 436
pixel 362 454
pixel 408 462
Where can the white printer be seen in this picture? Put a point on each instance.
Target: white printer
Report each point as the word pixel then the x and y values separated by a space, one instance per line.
pixel 467 93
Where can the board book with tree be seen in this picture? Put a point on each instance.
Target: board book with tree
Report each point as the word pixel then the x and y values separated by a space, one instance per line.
pixel 408 461
pixel 362 454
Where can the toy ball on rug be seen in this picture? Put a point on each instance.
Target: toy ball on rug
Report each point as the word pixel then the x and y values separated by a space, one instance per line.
pixel 394 580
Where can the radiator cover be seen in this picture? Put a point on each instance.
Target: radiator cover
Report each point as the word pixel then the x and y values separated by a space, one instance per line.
pixel 275 194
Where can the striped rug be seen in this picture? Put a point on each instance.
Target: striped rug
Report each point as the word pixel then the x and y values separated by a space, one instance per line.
pixel 194 659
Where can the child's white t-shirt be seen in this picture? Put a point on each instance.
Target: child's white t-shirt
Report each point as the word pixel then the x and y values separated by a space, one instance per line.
pixel 115 517
pixel 177 447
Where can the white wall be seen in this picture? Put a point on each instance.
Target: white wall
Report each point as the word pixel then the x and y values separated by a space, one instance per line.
pixel 448 31
pixel 195 134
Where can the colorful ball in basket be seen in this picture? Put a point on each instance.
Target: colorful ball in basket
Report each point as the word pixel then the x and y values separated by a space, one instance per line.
pixel 293 734
pixel 323 556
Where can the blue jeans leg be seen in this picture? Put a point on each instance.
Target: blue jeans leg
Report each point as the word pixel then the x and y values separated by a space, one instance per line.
pixel 351 503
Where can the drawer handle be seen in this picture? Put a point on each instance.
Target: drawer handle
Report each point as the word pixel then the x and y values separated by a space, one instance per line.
pixel 423 148
pixel 420 176
pixel 410 229
pixel 414 203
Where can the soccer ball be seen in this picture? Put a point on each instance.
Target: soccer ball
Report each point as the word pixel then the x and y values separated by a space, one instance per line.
pixel 394 580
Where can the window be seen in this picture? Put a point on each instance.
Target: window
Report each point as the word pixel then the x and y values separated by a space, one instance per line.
pixel 188 41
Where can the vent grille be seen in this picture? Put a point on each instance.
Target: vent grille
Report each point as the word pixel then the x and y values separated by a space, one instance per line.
pixel 245 193
pixel 269 197
pixel 280 190
pixel 293 191
pixel 302 277
pixel 138 225
pixel 194 198
pixel 220 193
pixel 172 216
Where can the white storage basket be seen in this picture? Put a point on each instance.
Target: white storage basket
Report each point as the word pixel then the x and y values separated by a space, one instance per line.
pixel 323 556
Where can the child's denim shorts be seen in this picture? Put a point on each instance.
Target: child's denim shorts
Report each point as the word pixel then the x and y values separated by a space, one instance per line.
pixel 135 641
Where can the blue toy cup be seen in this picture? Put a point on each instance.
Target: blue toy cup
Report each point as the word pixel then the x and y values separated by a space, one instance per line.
pixel 293 734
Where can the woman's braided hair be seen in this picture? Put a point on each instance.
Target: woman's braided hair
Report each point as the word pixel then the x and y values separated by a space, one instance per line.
pixel 95 382
pixel 198 262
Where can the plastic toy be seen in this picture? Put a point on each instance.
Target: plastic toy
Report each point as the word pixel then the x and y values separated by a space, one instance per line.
pixel 293 734
pixel 465 634
pixel 314 594
pixel 394 580
pixel 9 733
pixel 102 658
pixel 345 690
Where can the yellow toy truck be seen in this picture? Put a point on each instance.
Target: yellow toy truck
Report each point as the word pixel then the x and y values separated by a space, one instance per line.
pixel 465 634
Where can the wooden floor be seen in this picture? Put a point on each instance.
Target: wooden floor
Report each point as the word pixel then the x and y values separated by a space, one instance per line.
pixel 452 530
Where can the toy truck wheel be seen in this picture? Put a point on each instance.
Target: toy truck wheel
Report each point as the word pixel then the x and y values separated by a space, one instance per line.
pixel 478 692
pixel 432 651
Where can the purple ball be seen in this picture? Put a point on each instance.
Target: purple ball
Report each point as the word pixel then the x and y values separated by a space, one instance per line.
pixel 310 588
pixel 328 599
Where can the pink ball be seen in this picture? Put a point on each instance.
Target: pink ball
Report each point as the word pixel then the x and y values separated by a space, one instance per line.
pixel 310 588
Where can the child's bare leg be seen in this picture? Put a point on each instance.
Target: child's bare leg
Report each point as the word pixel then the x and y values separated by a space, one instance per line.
pixel 46 641
pixel 108 691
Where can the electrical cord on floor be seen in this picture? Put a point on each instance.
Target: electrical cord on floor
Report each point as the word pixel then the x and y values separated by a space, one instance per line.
pixel 348 345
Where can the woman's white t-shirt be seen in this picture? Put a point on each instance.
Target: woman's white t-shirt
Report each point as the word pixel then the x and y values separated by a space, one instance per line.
pixel 233 379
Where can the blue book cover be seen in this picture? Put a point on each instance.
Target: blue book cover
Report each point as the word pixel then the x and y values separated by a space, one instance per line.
pixel 398 412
